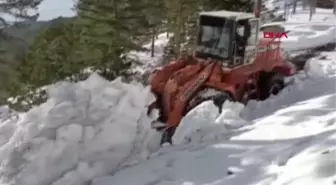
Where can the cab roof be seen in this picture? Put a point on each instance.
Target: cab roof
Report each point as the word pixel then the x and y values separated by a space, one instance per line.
pixel 227 14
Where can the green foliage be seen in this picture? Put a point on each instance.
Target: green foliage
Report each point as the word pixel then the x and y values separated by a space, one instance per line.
pixel 19 10
pixel 180 12
pixel 11 46
pixel 232 5
pixel 52 56
pixel 109 29
pixel 99 37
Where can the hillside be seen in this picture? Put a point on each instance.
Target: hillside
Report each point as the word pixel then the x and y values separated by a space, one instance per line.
pixel 24 34
pixel 19 36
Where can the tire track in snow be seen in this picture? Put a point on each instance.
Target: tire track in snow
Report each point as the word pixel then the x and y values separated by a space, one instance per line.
pixel 293 149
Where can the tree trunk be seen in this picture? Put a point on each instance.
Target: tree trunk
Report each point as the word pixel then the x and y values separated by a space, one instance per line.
pixel 177 36
pixel 167 28
pixel 312 7
pixel 294 7
pixel 314 4
pixel 153 42
pixel 286 10
pixel 158 31
pixel 304 4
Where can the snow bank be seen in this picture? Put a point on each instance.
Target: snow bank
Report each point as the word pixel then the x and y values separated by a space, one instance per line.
pixel 314 68
pixel 314 165
pixel 321 66
pixel 204 123
pixel 286 139
pixel 307 36
pixel 196 123
pixel 5 113
pixel 84 130
pixel 305 33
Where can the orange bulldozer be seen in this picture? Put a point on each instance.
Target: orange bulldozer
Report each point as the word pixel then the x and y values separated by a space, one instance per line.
pixel 231 62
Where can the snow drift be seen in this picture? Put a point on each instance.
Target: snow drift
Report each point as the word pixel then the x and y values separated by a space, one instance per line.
pixel 84 130
pixel 205 123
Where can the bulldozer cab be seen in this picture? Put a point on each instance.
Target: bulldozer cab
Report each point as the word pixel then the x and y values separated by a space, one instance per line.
pixel 230 37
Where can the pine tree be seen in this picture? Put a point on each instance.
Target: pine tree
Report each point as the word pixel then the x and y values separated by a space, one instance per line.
pixel 17 9
pixel 110 30
pixel 312 8
pixel 156 16
pixel 179 12
pixel 52 56
pixel 231 5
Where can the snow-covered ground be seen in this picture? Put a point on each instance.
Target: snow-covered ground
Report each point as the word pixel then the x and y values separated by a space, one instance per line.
pixel 288 139
pixel 308 34
pixel 305 33
pixel 96 132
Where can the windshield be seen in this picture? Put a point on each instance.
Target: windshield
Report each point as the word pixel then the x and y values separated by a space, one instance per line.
pixel 214 38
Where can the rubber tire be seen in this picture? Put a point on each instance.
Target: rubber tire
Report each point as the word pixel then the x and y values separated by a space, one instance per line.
pixel 269 81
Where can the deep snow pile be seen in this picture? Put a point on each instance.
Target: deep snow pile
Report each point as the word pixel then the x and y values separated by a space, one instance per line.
pixel 84 130
pixel 205 123
pixel 287 139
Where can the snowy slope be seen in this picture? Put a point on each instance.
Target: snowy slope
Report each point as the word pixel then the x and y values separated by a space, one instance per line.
pixel 87 131
pixel 305 34
pixel 286 140
pixel 308 34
